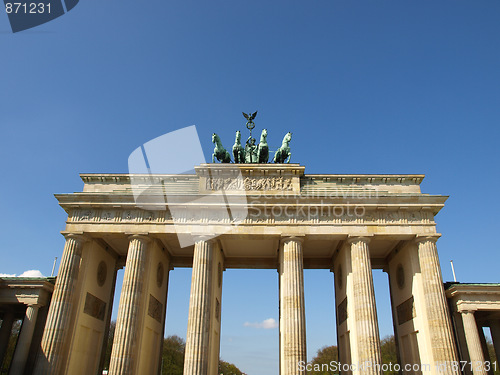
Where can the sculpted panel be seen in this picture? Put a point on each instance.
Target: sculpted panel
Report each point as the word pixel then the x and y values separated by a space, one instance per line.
pixel 95 307
pixel 250 183
pixel 406 311
pixel 301 214
pixel 155 308
pixel 342 311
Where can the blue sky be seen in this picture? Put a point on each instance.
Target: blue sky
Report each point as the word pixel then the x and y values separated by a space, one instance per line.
pixel 365 86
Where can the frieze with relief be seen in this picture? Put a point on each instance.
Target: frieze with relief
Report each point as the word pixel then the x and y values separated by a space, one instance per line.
pixel 275 214
pixel 250 183
pixel 107 215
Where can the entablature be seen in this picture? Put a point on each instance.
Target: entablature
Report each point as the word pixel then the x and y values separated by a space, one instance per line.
pixel 285 179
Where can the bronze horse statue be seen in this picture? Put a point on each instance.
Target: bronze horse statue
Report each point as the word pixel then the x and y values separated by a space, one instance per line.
pixel 220 153
pixel 238 150
pixel 283 153
pixel 263 149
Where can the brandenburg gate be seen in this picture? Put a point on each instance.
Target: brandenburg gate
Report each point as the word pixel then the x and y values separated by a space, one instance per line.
pixel 224 216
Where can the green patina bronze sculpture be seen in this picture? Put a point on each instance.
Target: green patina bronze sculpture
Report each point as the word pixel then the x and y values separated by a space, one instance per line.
pixel 238 150
pixel 284 151
pixel 220 153
pixel 263 149
pixel 250 124
pixel 251 153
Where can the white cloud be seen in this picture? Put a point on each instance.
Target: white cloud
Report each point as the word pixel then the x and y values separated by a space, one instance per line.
pixel 265 324
pixel 29 273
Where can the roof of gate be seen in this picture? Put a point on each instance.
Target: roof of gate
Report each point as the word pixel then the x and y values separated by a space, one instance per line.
pixel 309 185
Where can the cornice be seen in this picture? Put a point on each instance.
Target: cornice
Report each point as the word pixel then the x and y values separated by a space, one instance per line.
pixel 403 202
pixel 250 169
pixel 370 178
pixel 470 292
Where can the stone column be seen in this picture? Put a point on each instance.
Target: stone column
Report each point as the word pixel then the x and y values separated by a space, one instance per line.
pixel 198 333
pixel 292 307
pixel 24 341
pixel 5 332
pixel 125 348
pixel 473 343
pixel 438 319
pixel 495 336
pixel 364 306
pixel 55 335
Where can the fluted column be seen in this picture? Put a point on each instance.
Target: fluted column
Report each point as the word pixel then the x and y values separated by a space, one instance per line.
pixel 292 307
pixel 24 341
pixel 495 336
pixel 365 310
pixel 55 335
pixel 438 320
pixel 473 343
pixel 125 346
pixel 198 333
pixel 5 332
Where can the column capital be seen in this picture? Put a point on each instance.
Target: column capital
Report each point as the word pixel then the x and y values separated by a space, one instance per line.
pixel 34 305
pixel 427 237
pixel 210 237
pixel 364 238
pixel 77 236
pixel 296 238
pixel 139 236
pixel 467 312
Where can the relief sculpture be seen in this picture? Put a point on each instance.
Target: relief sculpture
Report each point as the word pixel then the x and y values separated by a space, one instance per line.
pixel 249 183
